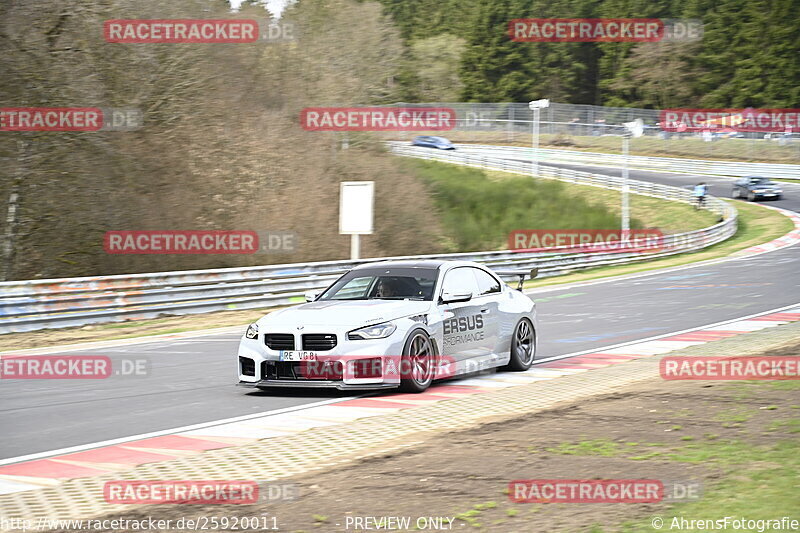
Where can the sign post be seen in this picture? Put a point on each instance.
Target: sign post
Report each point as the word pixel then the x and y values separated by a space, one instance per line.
pixel 536 106
pixel 632 129
pixel 356 200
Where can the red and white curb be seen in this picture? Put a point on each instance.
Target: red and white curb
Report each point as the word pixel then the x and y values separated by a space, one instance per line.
pixel 20 474
pixel 790 239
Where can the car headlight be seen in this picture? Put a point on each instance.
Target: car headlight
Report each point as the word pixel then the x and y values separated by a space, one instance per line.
pixel 378 331
pixel 252 331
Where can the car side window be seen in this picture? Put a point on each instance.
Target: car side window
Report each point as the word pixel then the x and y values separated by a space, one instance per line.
pixel 487 284
pixel 460 280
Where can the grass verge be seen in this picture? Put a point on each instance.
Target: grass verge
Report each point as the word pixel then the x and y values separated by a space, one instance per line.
pixel 478 210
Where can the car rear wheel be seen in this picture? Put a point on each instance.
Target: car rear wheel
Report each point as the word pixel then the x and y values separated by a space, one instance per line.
pixel 417 364
pixel 523 347
pixel 736 194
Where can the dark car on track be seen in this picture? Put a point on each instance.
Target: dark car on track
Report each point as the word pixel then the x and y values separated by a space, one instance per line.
pixel 430 141
pixel 756 188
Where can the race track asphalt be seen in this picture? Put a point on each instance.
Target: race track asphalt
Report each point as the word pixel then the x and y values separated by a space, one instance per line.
pixel 192 380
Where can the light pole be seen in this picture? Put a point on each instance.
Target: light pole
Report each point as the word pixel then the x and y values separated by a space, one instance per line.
pixel 536 106
pixel 632 129
pixel 626 216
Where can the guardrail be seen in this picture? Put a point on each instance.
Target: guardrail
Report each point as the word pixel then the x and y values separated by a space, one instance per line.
pixel 669 164
pixel 56 303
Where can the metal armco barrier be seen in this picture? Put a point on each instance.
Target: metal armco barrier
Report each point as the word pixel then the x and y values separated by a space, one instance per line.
pixel 669 164
pixel 57 303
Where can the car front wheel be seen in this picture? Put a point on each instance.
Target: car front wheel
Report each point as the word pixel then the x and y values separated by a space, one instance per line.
pixel 523 347
pixel 417 363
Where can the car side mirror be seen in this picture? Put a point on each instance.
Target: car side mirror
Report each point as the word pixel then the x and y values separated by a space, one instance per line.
pixel 311 296
pixel 455 297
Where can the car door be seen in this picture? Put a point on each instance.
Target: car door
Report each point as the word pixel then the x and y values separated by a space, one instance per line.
pixel 463 328
pixel 488 302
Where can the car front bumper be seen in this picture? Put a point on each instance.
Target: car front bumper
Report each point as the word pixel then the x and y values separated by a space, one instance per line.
pixel 350 365
pixel 316 384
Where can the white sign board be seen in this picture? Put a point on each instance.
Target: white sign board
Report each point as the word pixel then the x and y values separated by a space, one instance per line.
pixel 356 200
pixel 635 128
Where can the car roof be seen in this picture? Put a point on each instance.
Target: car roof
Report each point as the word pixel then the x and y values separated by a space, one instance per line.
pixel 422 263
pixel 429 263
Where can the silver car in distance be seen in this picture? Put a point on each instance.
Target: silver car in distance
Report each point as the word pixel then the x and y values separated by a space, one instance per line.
pixel 393 324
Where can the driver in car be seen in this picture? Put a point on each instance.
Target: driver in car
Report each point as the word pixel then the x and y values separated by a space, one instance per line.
pixel 386 289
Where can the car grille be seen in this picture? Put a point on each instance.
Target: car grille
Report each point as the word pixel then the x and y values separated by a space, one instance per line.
pixel 279 341
pixel 301 370
pixel 248 366
pixel 319 342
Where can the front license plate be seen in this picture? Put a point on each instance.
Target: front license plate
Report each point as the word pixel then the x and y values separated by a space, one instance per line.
pixel 297 355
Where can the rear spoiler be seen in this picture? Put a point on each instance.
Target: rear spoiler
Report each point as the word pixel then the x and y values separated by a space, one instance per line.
pixel 521 274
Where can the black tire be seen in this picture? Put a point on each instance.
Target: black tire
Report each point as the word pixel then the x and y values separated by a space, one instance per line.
pixel 736 194
pixel 523 347
pixel 418 364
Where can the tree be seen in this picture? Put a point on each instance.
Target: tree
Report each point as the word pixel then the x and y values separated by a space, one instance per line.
pixel 435 61
pixel 656 76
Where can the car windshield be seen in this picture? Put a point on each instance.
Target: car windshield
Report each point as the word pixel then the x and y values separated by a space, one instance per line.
pixel 761 181
pixel 440 139
pixel 384 284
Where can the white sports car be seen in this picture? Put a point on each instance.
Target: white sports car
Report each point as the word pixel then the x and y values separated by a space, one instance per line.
pixel 393 324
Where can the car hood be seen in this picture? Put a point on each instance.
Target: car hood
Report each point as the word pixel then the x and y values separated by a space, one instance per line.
pixel 344 313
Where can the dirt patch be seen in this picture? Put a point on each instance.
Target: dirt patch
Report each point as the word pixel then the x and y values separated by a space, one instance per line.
pixel 701 432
